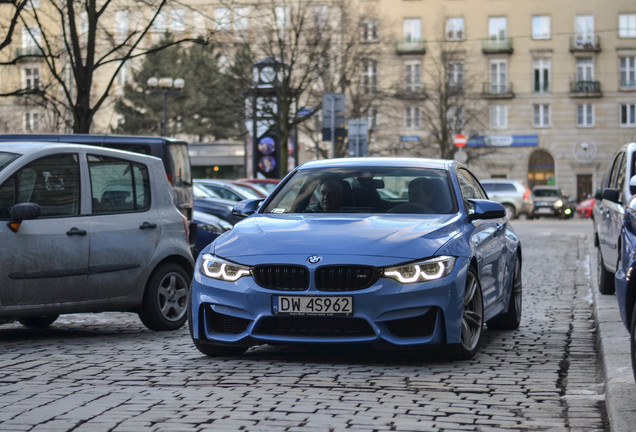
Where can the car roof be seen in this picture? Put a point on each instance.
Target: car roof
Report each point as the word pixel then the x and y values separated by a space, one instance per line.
pixel 92 139
pixel 30 147
pixel 397 162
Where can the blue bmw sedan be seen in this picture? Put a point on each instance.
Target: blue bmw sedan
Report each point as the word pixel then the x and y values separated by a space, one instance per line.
pixel 392 252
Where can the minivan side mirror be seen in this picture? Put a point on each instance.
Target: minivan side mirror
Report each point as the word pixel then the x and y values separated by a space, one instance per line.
pixel 611 194
pixel 21 212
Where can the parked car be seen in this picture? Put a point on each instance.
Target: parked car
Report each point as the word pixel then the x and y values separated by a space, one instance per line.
pixel 514 196
pixel 89 229
pixel 623 280
pixel 392 273
pixel 209 227
pixel 227 190
pixel 612 198
pixel 551 201
pixel 172 152
pixel 264 183
pixel 585 207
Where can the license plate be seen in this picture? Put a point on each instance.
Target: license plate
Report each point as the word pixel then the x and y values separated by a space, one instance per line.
pixel 544 210
pixel 308 305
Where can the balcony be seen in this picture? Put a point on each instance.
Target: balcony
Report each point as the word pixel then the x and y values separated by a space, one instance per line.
pixel 582 43
pixel 585 89
pixel 496 46
pixel 497 91
pixel 410 46
pixel 30 51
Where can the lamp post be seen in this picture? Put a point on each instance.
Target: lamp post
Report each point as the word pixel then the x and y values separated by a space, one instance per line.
pixel 165 86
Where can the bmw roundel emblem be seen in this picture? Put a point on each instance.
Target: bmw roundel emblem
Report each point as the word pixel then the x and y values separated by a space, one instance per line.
pixel 314 259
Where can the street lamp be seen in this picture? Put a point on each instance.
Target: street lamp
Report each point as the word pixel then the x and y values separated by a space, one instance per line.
pixel 165 86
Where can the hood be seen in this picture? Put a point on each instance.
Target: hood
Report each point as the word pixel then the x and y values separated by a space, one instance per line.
pixel 395 237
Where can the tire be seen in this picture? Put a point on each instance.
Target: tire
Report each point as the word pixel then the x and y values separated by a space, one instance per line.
pixel 511 319
pixel 605 278
pixel 207 348
pixel 632 339
pixel 38 321
pixel 472 320
pixel 511 213
pixel 165 299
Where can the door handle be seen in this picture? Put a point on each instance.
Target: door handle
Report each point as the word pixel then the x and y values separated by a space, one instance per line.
pixel 147 225
pixel 76 231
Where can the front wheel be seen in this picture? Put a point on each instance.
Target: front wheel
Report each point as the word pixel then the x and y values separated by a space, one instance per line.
pixel 605 278
pixel 38 321
pixel 511 319
pixel 472 320
pixel 632 337
pixel 164 303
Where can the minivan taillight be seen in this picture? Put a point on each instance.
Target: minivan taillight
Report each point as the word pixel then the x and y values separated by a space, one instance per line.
pixel 526 195
pixel 170 179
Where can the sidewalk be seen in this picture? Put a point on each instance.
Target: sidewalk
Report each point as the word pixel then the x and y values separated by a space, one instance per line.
pixel 613 347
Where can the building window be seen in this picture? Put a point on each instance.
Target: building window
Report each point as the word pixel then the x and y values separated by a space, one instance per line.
pixel 31 37
pixel 223 19
pixel 456 75
pixel 541 27
pixel 455 29
pixel 412 117
pixel 121 22
pixel 627 25
pixel 412 30
pixel 498 76
pixel 628 72
pixel 32 4
pixel 413 76
pixel 497 28
pixel 498 116
pixel 585 115
pixel 541 115
pixel 177 20
pixel 456 118
pixel 123 76
pixel 84 22
pixel 628 114
pixel 32 121
pixel 373 117
pixel 31 77
pixel 584 69
pixel 241 19
pixel 160 24
pixel 370 76
pixel 369 30
pixel 281 18
pixel 584 30
pixel 541 75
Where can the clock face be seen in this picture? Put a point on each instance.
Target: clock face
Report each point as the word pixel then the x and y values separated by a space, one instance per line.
pixel 268 74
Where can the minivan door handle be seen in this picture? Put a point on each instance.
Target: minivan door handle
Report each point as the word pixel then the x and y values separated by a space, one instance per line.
pixel 147 225
pixel 75 231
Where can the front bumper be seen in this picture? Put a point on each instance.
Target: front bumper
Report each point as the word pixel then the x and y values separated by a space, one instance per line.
pixel 386 314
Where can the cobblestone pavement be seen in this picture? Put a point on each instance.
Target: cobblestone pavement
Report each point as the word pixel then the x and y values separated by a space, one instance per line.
pixel 107 372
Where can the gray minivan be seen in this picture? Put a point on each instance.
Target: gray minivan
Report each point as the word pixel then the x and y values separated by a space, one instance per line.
pixel 89 229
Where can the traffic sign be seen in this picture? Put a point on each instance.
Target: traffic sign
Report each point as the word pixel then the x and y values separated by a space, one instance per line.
pixel 460 140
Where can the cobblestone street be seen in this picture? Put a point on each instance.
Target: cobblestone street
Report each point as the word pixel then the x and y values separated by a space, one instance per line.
pixel 107 372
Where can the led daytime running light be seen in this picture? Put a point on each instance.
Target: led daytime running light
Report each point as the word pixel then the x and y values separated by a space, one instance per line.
pixel 433 269
pixel 218 269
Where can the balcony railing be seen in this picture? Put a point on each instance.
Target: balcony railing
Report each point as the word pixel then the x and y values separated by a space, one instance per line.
pixel 31 51
pixel 495 46
pixel 497 91
pixel 410 46
pixel 585 89
pixel 580 43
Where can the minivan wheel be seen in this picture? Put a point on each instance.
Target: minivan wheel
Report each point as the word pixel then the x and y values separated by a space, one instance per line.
pixel 165 299
pixel 38 321
pixel 510 211
pixel 605 278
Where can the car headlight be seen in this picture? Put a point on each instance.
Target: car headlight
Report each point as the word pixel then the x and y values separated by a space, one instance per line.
pixel 221 269
pixel 558 204
pixel 427 270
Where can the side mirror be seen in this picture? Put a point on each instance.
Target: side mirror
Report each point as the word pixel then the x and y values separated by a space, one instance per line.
pixel 611 194
pixel 21 212
pixel 247 207
pixel 598 195
pixel 486 209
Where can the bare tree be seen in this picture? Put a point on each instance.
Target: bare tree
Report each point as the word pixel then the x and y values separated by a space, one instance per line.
pixel 77 42
pixel 11 10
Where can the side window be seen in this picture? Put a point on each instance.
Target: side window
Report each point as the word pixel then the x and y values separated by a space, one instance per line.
pixel 620 180
pixel 118 186
pixel 618 160
pixel 470 188
pixel 52 182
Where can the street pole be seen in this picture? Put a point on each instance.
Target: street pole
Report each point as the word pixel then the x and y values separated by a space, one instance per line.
pixel 333 126
pixel 165 112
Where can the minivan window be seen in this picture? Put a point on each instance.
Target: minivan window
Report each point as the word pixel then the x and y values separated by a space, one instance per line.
pixel 52 182
pixel 179 165
pixel 118 186
pixel 6 158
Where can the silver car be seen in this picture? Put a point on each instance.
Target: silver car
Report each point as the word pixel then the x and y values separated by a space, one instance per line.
pixel 514 196
pixel 89 229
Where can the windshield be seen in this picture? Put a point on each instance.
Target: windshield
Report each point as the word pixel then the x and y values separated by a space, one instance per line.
pixel 546 193
pixel 365 190
pixel 6 158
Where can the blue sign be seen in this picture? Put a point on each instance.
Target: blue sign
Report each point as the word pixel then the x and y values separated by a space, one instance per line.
pixel 503 141
pixel 409 138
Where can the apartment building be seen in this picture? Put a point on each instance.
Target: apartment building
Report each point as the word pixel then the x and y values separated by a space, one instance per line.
pixel 553 81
